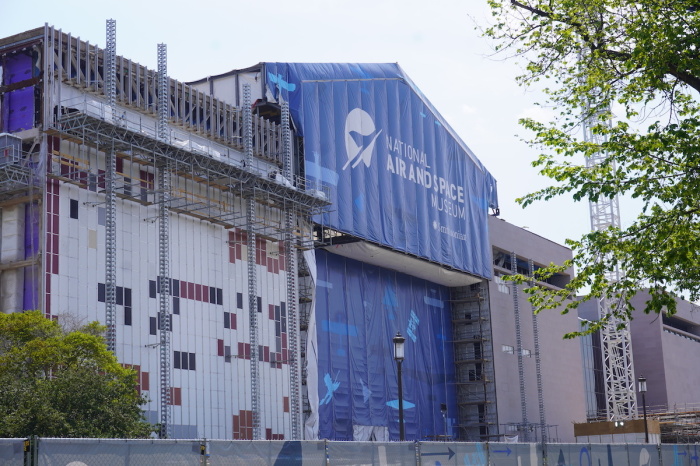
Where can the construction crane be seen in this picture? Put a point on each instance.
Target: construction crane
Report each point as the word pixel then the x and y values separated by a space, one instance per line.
pixel 616 342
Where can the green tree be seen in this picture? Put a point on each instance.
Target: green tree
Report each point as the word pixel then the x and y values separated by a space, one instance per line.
pixel 57 383
pixel 642 59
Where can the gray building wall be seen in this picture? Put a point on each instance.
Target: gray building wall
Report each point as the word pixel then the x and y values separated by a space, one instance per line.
pixel 561 361
pixel 667 352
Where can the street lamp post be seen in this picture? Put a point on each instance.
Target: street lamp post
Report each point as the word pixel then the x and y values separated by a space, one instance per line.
pixel 643 390
pixel 398 356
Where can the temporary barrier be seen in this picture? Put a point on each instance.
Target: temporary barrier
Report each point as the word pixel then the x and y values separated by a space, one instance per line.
pixel 12 452
pixel 136 452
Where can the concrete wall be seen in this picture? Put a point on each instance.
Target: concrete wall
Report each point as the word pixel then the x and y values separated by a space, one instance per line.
pixel 563 386
pixel 668 358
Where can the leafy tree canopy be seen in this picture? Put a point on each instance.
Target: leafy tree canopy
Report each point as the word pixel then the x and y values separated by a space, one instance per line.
pixel 642 60
pixel 57 383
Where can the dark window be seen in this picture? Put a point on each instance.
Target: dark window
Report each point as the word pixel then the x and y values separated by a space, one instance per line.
pixel 120 296
pixel 239 300
pixel 176 305
pixel 73 208
pixel 175 291
pixel 185 361
pixel 283 306
pixel 127 296
pixel 227 320
pixel 154 325
pixel 176 360
pixel 219 296
pixel 127 186
pixel 259 304
pixel 101 292
pixel 151 288
pixel 212 295
pixel 192 362
pixel 127 316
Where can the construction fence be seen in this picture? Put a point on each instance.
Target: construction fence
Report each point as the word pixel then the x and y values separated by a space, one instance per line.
pixel 110 452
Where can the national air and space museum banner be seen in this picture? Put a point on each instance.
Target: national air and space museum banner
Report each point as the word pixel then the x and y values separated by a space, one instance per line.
pixel 398 174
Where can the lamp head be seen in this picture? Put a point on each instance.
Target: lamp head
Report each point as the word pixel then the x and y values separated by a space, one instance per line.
pixel 642 384
pixel 398 346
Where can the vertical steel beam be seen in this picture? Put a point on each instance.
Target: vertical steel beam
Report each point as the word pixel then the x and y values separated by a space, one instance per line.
pixel 252 270
pixel 292 274
pixel 110 71
pixel 164 247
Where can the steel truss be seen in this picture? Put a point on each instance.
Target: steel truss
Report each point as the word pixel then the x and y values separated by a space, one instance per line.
pixel 110 196
pixel 616 341
pixel 473 349
pixel 290 253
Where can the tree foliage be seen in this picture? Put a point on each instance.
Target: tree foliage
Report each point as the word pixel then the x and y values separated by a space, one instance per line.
pixel 642 60
pixel 56 383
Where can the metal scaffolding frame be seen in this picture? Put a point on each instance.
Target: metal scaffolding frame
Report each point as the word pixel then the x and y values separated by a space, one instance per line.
pixel 290 252
pixel 519 347
pixel 473 349
pixel 164 248
pixel 110 194
pixel 201 157
pixel 252 273
pixel 538 362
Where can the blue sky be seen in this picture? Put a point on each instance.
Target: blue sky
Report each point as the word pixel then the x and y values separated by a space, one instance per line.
pixel 436 43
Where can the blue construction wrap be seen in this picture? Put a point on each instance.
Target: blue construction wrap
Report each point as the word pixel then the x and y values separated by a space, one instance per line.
pixel 398 175
pixel 359 309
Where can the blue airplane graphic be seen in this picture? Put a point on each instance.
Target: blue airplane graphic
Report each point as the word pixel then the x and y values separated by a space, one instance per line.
pixel 332 386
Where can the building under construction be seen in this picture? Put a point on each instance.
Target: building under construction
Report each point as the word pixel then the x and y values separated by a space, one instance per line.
pixel 672 381
pixel 254 240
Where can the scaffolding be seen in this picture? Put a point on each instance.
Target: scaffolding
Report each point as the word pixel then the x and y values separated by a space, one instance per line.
pixel 110 195
pixel 678 425
pixel 538 362
pixel 17 172
pixel 165 143
pixel 290 253
pixel 306 294
pixel 519 346
pixel 473 349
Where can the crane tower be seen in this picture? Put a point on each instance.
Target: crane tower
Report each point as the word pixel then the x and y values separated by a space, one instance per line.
pixel 616 343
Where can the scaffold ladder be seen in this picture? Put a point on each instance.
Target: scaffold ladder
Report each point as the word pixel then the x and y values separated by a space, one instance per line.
pixel 164 248
pixel 291 265
pixel 110 194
